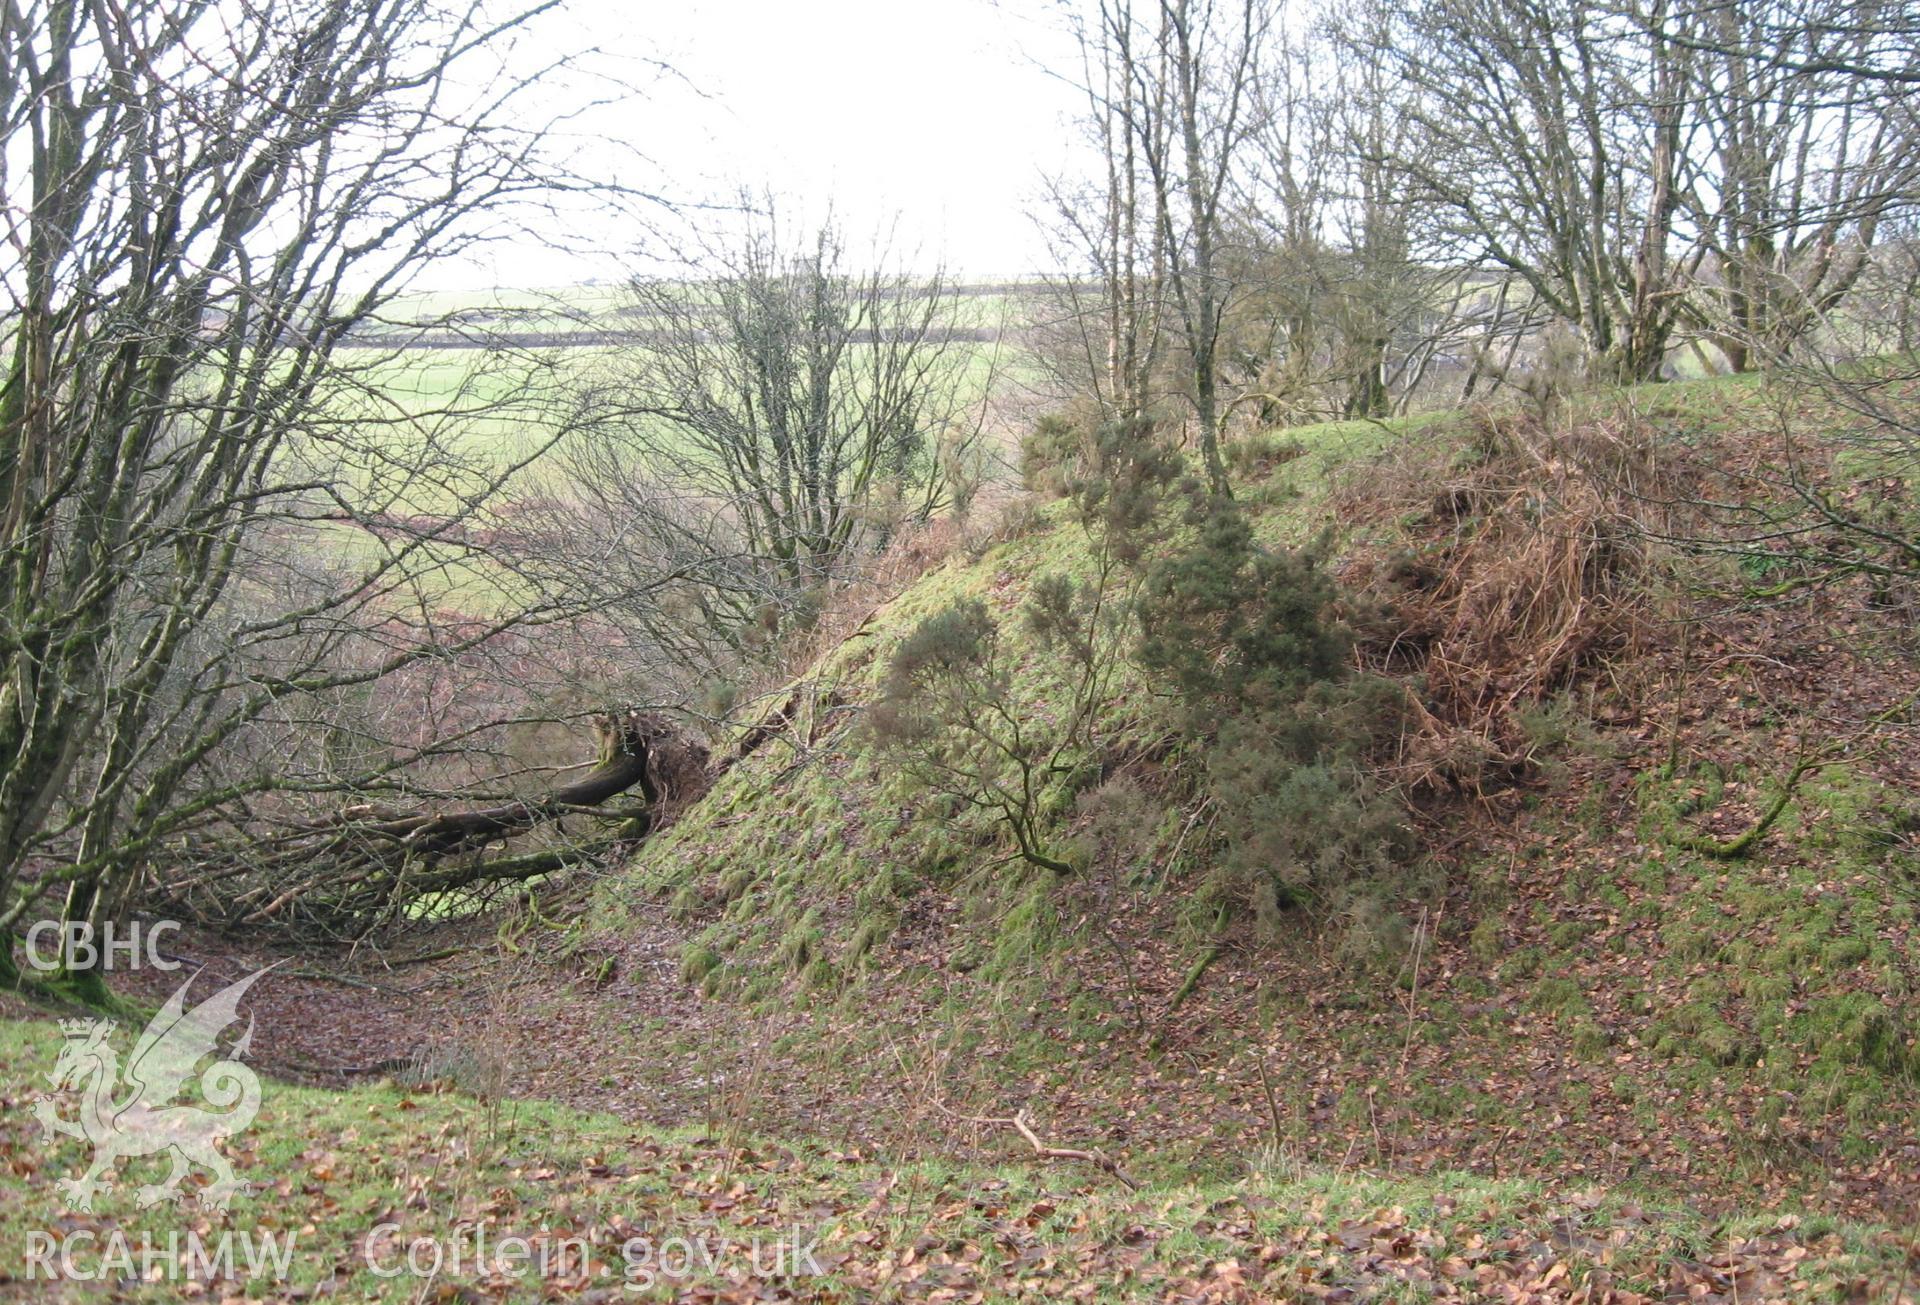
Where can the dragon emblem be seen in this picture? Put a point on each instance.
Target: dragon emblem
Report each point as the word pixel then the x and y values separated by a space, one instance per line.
pixel 145 1121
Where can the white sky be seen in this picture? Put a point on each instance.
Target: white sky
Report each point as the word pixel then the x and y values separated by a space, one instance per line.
pixel 936 112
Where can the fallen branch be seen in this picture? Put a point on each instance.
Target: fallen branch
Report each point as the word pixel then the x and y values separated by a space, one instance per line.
pixel 424 958
pixel 1019 1123
pixel 1046 1151
pixel 1733 849
pixel 346 980
pixel 1742 845
pixel 391 1065
pixel 624 755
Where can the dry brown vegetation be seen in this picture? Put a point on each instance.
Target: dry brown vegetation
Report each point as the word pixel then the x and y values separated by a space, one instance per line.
pixel 1499 569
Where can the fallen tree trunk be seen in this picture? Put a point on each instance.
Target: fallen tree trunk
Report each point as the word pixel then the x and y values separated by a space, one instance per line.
pixel 366 865
pixel 625 755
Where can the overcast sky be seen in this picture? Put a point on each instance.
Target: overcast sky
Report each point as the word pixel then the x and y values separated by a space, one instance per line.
pixel 934 111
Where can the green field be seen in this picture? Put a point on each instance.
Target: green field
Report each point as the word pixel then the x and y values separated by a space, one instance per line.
pixel 432 426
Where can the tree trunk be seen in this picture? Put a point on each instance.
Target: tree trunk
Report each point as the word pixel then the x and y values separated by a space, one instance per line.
pixel 356 868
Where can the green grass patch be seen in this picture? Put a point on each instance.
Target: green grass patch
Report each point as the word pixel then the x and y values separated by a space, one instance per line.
pixel 356 1184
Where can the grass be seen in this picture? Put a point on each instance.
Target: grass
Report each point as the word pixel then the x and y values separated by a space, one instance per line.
pixel 1806 978
pixel 357 1181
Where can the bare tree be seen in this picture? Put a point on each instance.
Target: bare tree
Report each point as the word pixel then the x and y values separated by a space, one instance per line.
pixel 1206 59
pixel 1797 161
pixel 1550 131
pixel 1289 258
pixel 778 417
pixel 1352 281
pixel 1109 336
pixel 1406 292
pixel 1863 43
pixel 211 203
pixel 1171 98
pixel 1887 296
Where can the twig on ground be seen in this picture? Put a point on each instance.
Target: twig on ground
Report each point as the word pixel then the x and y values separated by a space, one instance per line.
pixel 1421 944
pixel 426 957
pixel 1206 959
pixel 1273 1106
pixel 1045 1150
pixel 321 976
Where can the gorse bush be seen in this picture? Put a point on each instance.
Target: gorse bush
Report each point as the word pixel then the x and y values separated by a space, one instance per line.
pixel 1129 476
pixel 1050 455
pixel 1244 639
pixel 1119 822
pixel 1243 645
pixel 955 717
pixel 1119 476
pixel 1234 626
pixel 1302 822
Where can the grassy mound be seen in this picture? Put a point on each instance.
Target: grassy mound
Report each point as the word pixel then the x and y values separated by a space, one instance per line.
pixel 1596 714
pixel 810 849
